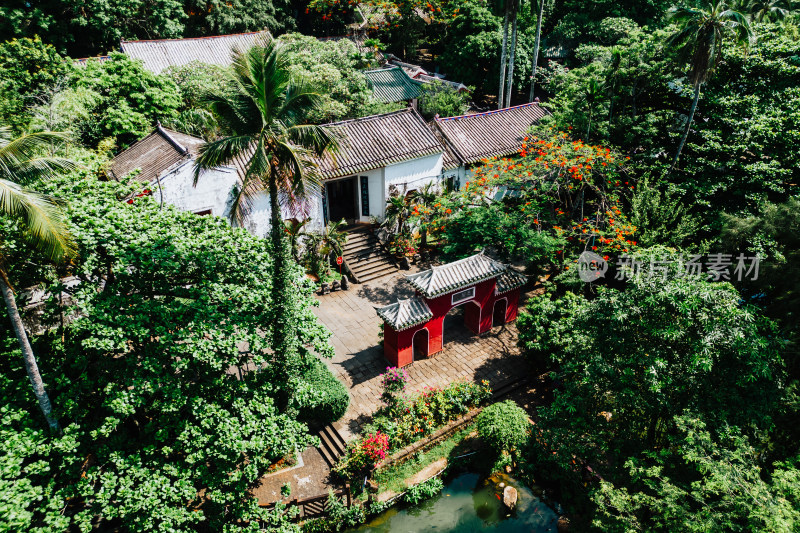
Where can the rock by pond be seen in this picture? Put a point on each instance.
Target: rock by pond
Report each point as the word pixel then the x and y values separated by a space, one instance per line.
pixel 510 497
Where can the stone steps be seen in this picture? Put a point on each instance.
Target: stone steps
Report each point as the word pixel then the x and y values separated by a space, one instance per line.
pixel 331 446
pixel 365 257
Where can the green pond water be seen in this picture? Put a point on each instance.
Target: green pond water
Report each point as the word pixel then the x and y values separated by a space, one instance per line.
pixel 468 503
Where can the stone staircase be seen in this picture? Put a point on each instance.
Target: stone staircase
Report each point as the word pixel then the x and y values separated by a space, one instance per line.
pixel 331 445
pixel 364 256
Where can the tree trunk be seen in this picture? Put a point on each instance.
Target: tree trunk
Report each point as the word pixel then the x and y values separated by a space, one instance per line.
pixel 536 48
pixel 27 353
pixel 504 49
pixel 280 274
pixel 688 126
pixel 509 83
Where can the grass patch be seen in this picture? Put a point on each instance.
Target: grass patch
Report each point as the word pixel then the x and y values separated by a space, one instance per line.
pixel 393 477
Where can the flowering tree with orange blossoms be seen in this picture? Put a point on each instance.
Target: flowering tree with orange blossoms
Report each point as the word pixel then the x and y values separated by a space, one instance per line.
pixel 572 192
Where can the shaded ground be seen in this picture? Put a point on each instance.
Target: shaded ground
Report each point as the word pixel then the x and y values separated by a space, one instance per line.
pixel 359 360
pixel 307 481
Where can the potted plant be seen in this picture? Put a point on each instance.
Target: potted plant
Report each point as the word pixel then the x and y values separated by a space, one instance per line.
pixel 403 247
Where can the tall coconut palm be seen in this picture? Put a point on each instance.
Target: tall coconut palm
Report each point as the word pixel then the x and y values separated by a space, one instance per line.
pixel 536 43
pixel 699 41
pixel 512 51
pixel 266 110
pixel 22 161
pixel 503 54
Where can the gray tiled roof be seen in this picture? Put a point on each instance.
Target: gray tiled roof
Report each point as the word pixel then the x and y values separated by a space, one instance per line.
pixel 159 54
pixel 509 280
pixel 405 313
pixel 449 158
pixel 373 142
pixel 392 85
pixel 457 275
pixel 154 154
pixel 494 133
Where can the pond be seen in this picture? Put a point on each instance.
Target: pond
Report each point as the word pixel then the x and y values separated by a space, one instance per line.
pixel 468 503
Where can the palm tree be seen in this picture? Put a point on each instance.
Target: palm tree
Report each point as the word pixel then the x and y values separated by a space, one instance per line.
pixel 265 110
pixel 536 45
pixel 613 78
pixel 503 55
pixel 295 229
pixel 512 51
pixel 592 95
pixel 21 163
pixel 425 196
pixel 333 239
pixel 765 10
pixel 398 210
pixel 699 42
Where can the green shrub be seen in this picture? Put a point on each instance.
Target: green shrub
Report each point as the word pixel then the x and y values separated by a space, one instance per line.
pixel 320 396
pixel 423 491
pixel 503 426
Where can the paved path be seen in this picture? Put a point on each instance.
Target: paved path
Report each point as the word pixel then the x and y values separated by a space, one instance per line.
pixel 307 481
pixel 359 360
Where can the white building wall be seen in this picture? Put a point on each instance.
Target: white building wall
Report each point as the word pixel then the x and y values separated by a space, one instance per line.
pixel 413 174
pixel 213 190
pixel 257 220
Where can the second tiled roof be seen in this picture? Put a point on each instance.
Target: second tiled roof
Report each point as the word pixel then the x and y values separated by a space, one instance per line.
pixel 392 85
pixel 494 133
pixel 456 275
pixel 377 141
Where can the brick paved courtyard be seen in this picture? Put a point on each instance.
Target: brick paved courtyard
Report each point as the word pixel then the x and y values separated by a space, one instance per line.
pixel 359 360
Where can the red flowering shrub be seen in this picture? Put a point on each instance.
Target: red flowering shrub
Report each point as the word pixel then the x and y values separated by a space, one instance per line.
pixel 375 446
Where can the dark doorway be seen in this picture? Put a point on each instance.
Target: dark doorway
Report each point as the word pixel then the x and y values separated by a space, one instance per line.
pixel 420 344
pixel 342 200
pixel 499 314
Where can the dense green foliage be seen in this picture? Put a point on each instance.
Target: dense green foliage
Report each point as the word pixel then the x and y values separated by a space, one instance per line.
pixel 423 491
pixel 738 157
pixel 443 100
pixel 334 68
pixel 154 380
pixel 28 69
pixel 503 426
pixel 320 396
pixel 669 355
pixel 89 30
pixel 128 100
pixel 704 481
pixel 185 362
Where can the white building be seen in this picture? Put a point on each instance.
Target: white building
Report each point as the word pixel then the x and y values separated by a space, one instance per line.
pixel 380 155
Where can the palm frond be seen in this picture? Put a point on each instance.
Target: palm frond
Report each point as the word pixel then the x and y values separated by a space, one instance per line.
pixel 221 152
pixel 45 224
pixel 22 159
pixel 316 138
